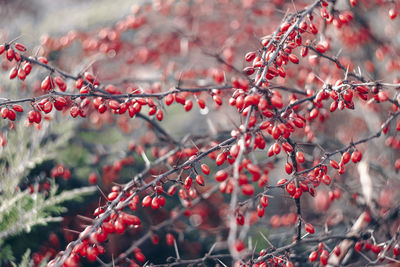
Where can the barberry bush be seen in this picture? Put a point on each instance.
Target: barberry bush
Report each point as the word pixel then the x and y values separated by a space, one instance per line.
pixel 203 133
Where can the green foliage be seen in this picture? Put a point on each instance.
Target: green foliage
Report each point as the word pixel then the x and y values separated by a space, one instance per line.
pixel 25 261
pixel 5 252
pixel 26 210
pixel 28 151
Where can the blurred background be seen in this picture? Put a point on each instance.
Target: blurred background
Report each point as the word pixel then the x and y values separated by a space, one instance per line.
pixel 52 176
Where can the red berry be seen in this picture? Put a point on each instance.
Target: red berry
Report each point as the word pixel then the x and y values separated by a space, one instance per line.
pixel 199 180
pixel 79 83
pixel 248 190
pixel 113 104
pixel 334 164
pixel 321 47
pixel 314 113
pixel 17 108
pixel 2 49
pixel 276 132
pixel 47 107
pixel 218 76
pixel 139 255
pixel 287 147
pixel 288 168
pixel 161 201
pixel 11 115
pixel 248 71
pixel 358 246
pixel 188 183
pixel 146 201
pixel 10 54
pixel 240 219
pixel 326 179
pixel 392 13
pixel 313 29
pixel 250 56
pixel 336 250
pixel 356 156
pixel 221 176
pixel 20 47
pixel 159 115
pixel 188 105
pixel 119 227
pixel 13 73
pixel 276 148
pixel 170 239
pixel 60 103
pixel 291 188
pixel 92 178
pixel 21 74
pixel 277 101
pixel 43 60
pixel 171 190
pixel 376 249
pixel 221 158
pixel 264 201
pixel 239 245
pixel 17 56
pixel 294 58
pixel 155 239
pixel 201 103
pixel 205 169
pixel 285 26
pixel 74 111
pixel 60 83
pixel 217 100
pixel 309 228
pixel 396 250
pixel 324 257
pixel 112 196
pixel 281 182
pixel 300 157
pixel 169 99
pixel 130 219
pixel 313 256
pixel 180 99
pixel 31 115
pixel 260 210
pixel 46 84
pixel 27 68
pixel 91 254
pixel 345 157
